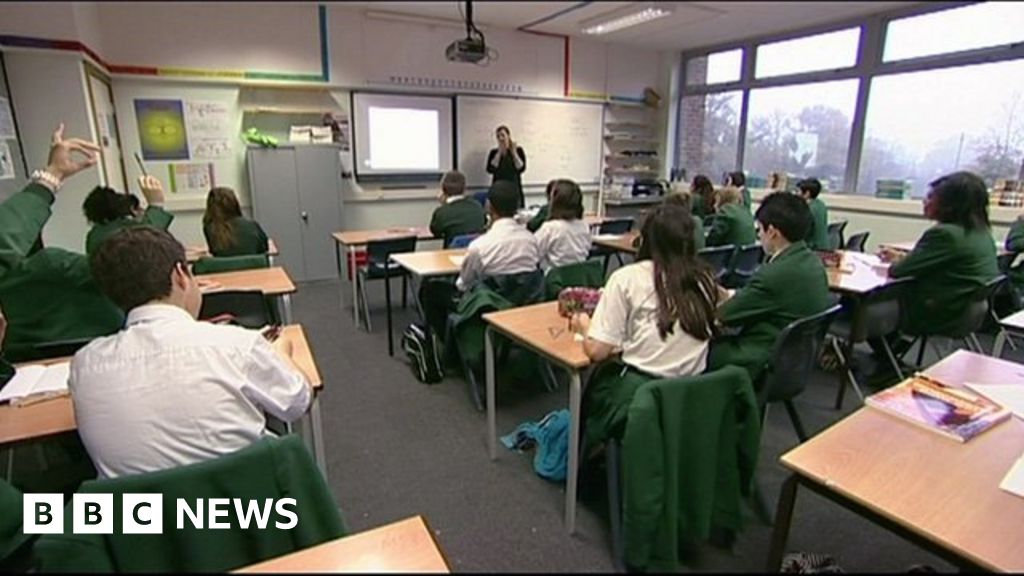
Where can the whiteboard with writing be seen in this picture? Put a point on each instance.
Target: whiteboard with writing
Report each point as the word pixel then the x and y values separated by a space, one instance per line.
pixel 561 139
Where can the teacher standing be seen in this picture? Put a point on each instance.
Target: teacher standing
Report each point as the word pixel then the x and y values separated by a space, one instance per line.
pixel 507 161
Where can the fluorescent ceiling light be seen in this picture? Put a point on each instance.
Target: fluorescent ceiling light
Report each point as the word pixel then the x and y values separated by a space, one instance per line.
pixel 615 24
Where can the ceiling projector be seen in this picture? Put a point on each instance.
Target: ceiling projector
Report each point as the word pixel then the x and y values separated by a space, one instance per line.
pixel 466 50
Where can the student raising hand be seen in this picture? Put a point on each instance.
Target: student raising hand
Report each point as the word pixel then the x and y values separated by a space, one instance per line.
pixel 152 189
pixel 62 162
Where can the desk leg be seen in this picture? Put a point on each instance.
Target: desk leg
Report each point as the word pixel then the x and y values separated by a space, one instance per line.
pixel 783 517
pixel 286 306
pixel 997 346
pixel 492 419
pixel 387 303
pixel 572 474
pixel 350 268
pixel 318 435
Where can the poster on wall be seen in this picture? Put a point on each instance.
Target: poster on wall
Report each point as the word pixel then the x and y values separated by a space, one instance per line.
pixel 6 119
pixel 6 161
pixel 191 178
pixel 209 129
pixel 162 133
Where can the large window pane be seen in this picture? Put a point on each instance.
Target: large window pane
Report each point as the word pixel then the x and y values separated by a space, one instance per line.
pixel 708 131
pixel 714 68
pixel 802 130
pixel 922 125
pixel 808 54
pixel 975 26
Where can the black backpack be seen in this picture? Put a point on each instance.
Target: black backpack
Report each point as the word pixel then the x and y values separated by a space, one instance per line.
pixel 421 346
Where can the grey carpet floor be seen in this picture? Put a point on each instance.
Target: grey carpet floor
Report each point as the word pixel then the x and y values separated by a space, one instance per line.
pixel 396 448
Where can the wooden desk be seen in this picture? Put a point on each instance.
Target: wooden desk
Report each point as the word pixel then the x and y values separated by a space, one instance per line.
pixel 541 329
pixel 618 242
pixel 57 415
pixel 404 546
pixel 431 263
pixel 353 239
pixel 859 273
pixel 193 253
pixel 1014 324
pixel 272 281
pixel 909 247
pixel 934 491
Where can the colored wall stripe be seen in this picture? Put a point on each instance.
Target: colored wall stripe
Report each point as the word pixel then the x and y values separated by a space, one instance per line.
pixel 325 67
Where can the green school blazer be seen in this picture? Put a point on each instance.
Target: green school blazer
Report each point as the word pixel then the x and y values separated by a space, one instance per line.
pixel 698 232
pixel 248 239
pixel 817 236
pixel 463 216
pixel 1015 244
pixel 49 295
pixel 154 216
pixel 792 286
pixel 948 263
pixel 747 202
pixel 732 225
pixel 537 221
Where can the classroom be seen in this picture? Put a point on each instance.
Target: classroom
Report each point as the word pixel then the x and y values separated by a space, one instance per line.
pixel 489 286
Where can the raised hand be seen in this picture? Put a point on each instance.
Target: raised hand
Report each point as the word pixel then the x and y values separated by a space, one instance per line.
pixel 152 189
pixel 62 162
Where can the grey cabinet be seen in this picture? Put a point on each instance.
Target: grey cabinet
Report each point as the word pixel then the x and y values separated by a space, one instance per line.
pixel 296 197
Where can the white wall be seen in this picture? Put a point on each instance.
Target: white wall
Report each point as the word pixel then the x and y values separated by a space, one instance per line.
pixel 50 20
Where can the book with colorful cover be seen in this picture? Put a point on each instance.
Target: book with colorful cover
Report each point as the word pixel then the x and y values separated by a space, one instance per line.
pixel 956 413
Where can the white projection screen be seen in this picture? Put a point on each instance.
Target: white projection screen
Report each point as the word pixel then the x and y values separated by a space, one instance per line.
pixel 400 135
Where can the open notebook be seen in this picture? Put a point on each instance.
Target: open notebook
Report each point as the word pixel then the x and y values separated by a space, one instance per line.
pixel 36 380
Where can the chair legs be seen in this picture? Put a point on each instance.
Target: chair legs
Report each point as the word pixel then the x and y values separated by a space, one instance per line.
pixel 920 351
pixel 613 467
pixel 795 418
pixel 850 377
pixel 361 291
pixel 405 290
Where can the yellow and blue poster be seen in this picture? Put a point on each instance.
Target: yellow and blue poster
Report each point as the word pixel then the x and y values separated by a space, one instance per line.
pixel 162 129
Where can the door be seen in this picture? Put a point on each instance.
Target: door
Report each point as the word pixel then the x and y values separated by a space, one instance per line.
pixel 319 175
pixel 275 203
pixel 104 122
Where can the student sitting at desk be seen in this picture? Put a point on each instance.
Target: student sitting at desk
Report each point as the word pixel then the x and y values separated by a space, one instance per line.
pixel 733 223
pixel 953 258
pixel 738 180
pixel 685 201
pixel 817 236
pixel 458 213
pixel 541 216
pixel 702 192
pixel 168 390
pixel 660 325
pixel 227 232
pixel 109 211
pixel 790 285
pixel 564 238
pixel 48 294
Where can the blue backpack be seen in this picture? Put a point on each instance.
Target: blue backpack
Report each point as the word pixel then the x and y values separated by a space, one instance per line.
pixel 551 436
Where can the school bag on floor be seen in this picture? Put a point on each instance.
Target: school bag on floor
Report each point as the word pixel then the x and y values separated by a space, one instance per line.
pixel 421 347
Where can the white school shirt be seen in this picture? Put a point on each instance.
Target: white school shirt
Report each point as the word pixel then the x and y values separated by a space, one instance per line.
pixel 627 317
pixel 563 242
pixel 506 248
pixel 168 391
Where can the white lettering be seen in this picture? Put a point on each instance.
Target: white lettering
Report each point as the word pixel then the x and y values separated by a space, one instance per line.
pixel 185 510
pixel 217 508
pixel 283 511
pixel 253 509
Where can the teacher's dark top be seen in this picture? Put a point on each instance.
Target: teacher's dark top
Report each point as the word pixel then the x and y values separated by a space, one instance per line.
pixel 506 170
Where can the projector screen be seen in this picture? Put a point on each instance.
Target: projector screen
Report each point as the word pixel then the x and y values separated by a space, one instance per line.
pixel 402 135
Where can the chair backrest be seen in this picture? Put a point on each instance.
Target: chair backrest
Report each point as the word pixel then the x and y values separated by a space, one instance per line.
pixel 378 251
pixel 214 264
pixel 747 259
pixel 589 274
pixel 615 226
pixel 974 314
pixel 272 468
pixel 250 308
pixel 794 355
pixel 857 241
pixel 520 289
pixel 462 240
pixel 481 197
pixel 835 234
pixel 718 257
pixel 879 310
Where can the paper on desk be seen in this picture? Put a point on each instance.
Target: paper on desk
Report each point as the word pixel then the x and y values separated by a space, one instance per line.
pixel 36 379
pixel 1013 482
pixel 457 260
pixel 1007 395
pixel 607 236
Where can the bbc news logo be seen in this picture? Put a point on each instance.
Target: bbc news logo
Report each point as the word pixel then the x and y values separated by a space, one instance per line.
pixel 144 513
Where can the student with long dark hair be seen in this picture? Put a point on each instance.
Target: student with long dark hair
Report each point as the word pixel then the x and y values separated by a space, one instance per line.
pixel 703 193
pixel 541 216
pixel 564 238
pixel 953 258
pixel 658 313
pixel 738 180
pixel 227 232
pixel 686 202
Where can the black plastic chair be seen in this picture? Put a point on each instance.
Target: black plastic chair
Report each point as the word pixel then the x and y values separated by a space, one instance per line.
pixel 791 362
pixel 250 308
pixel 613 226
pixel 856 242
pixel 718 257
pixel 744 264
pixel 380 267
pixel 461 241
pixel 835 234
pixel 971 320
pixel 875 315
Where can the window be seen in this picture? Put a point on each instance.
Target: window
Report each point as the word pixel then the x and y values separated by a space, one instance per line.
pixel 966 28
pixel 802 130
pixel 922 125
pixel 716 68
pixel 828 51
pixel 708 134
